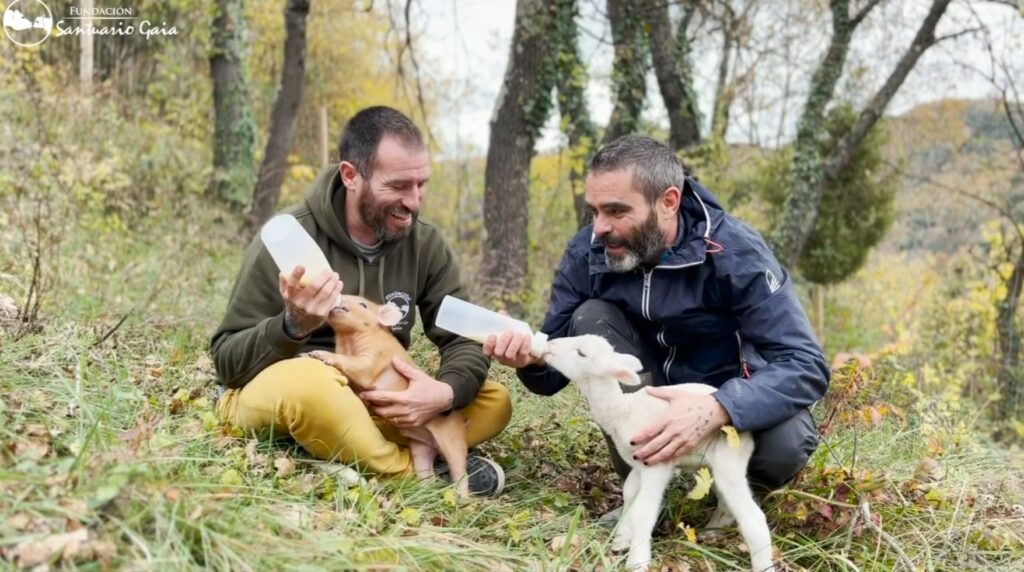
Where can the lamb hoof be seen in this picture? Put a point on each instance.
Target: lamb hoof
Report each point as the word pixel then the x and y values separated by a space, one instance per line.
pixel 715 537
pixel 619 544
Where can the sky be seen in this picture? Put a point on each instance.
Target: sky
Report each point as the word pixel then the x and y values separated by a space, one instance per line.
pixel 466 43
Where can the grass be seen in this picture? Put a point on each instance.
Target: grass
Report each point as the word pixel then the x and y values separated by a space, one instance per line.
pixel 111 456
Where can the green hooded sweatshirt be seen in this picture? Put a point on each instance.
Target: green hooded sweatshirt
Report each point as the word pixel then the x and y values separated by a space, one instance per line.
pixel 415 272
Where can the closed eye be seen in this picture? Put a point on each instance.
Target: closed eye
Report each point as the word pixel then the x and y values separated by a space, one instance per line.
pixel 580 353
pixel 363 304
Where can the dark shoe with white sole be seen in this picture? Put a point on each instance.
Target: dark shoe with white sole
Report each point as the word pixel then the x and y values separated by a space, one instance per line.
pixel 486 478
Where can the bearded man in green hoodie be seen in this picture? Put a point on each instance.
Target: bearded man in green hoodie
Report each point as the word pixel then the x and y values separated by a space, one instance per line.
pixel 363 213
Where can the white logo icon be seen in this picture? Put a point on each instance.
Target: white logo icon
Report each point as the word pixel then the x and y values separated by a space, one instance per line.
pixel 403 301
pixel 773 282
pixel 28 22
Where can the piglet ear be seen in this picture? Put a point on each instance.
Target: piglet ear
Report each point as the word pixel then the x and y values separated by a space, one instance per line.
pixel 388 315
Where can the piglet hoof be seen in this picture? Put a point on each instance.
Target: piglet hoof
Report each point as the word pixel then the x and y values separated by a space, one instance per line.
pixel 320 355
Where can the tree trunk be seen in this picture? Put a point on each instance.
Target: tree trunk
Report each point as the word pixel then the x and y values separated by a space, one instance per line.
pixel 675 81
pixel 629 68
pixel 85 42
pixel 818 311
pixel 1009 379
pixel 723 92
pixel 809 173
pixel 234 134
pixel 520 111
pixel 572 103
pixel 798 214
pixel 282 118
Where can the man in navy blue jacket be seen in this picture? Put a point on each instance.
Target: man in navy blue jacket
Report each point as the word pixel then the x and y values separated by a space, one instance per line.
pixel 666 275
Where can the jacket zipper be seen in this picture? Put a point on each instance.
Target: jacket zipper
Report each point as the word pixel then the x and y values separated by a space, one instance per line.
pixel 667 366
pixel 646 298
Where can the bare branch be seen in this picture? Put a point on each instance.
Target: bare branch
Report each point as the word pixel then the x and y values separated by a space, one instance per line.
pixel 405 47
pixel 924 39
pixel 1015 4
pixel 859 17
pixel 416 69
pixel 957 34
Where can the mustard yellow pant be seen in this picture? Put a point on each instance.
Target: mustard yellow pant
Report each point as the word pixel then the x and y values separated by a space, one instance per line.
pixel 312 402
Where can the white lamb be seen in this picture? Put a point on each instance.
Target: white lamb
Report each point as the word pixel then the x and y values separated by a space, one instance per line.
pixel 597 369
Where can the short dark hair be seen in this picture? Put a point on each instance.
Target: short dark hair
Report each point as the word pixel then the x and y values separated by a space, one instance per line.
pixel 363 133
pixel 655 167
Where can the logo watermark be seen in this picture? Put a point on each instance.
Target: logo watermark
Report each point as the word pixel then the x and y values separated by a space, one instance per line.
pixel 30 23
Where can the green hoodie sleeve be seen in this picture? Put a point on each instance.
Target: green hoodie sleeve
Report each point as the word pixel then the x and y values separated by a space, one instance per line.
pixel 251 336
pixel 463 363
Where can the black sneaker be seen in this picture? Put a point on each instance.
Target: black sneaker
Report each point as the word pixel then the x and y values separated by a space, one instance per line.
pixel 486 478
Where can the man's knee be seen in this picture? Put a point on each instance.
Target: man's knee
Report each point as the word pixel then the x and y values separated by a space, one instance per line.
pixel 501 403
pixel 593 317
pixel 489 413
pixel 783 450
pixel 298 386
pixel 303 377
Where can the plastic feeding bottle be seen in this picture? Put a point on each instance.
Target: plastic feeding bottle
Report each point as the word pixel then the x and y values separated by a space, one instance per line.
pixel 290 245
pixel 476 323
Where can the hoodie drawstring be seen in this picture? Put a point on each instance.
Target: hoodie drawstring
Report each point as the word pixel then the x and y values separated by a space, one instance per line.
pixel 362 282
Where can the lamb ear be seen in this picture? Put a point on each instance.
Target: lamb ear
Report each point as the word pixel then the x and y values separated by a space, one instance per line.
pixel 630 362
pixel 389 315
pixel 626 377
pixel 625 369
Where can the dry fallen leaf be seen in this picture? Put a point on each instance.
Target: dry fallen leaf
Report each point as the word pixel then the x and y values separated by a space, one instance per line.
pixel 19 522
pixel 35 552
pixel 558 542
pixel 703 485
pixel 731 436
pixel 284 465
pixel 257 462
pixel 34 442
pixel 8 308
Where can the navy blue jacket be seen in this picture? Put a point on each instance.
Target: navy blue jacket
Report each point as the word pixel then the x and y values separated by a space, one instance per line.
pixel 716 295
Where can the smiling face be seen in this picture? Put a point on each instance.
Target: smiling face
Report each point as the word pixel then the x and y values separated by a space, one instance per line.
pixel 385 205
pixel 632 230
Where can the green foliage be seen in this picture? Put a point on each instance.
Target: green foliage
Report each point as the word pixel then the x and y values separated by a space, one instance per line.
pixel 629 68
pixel 857 207
pixel 234 176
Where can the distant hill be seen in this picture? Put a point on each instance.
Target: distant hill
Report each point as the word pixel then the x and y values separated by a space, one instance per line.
pixel 948 149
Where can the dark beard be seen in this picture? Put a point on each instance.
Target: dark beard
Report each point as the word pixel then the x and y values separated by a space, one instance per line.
pixel 375 217
pixel 645 246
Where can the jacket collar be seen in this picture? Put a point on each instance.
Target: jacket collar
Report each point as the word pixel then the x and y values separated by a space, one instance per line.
pixel 699 216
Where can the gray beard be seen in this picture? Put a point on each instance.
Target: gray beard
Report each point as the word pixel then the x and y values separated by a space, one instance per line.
pixel 624 263
pixel 649 247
